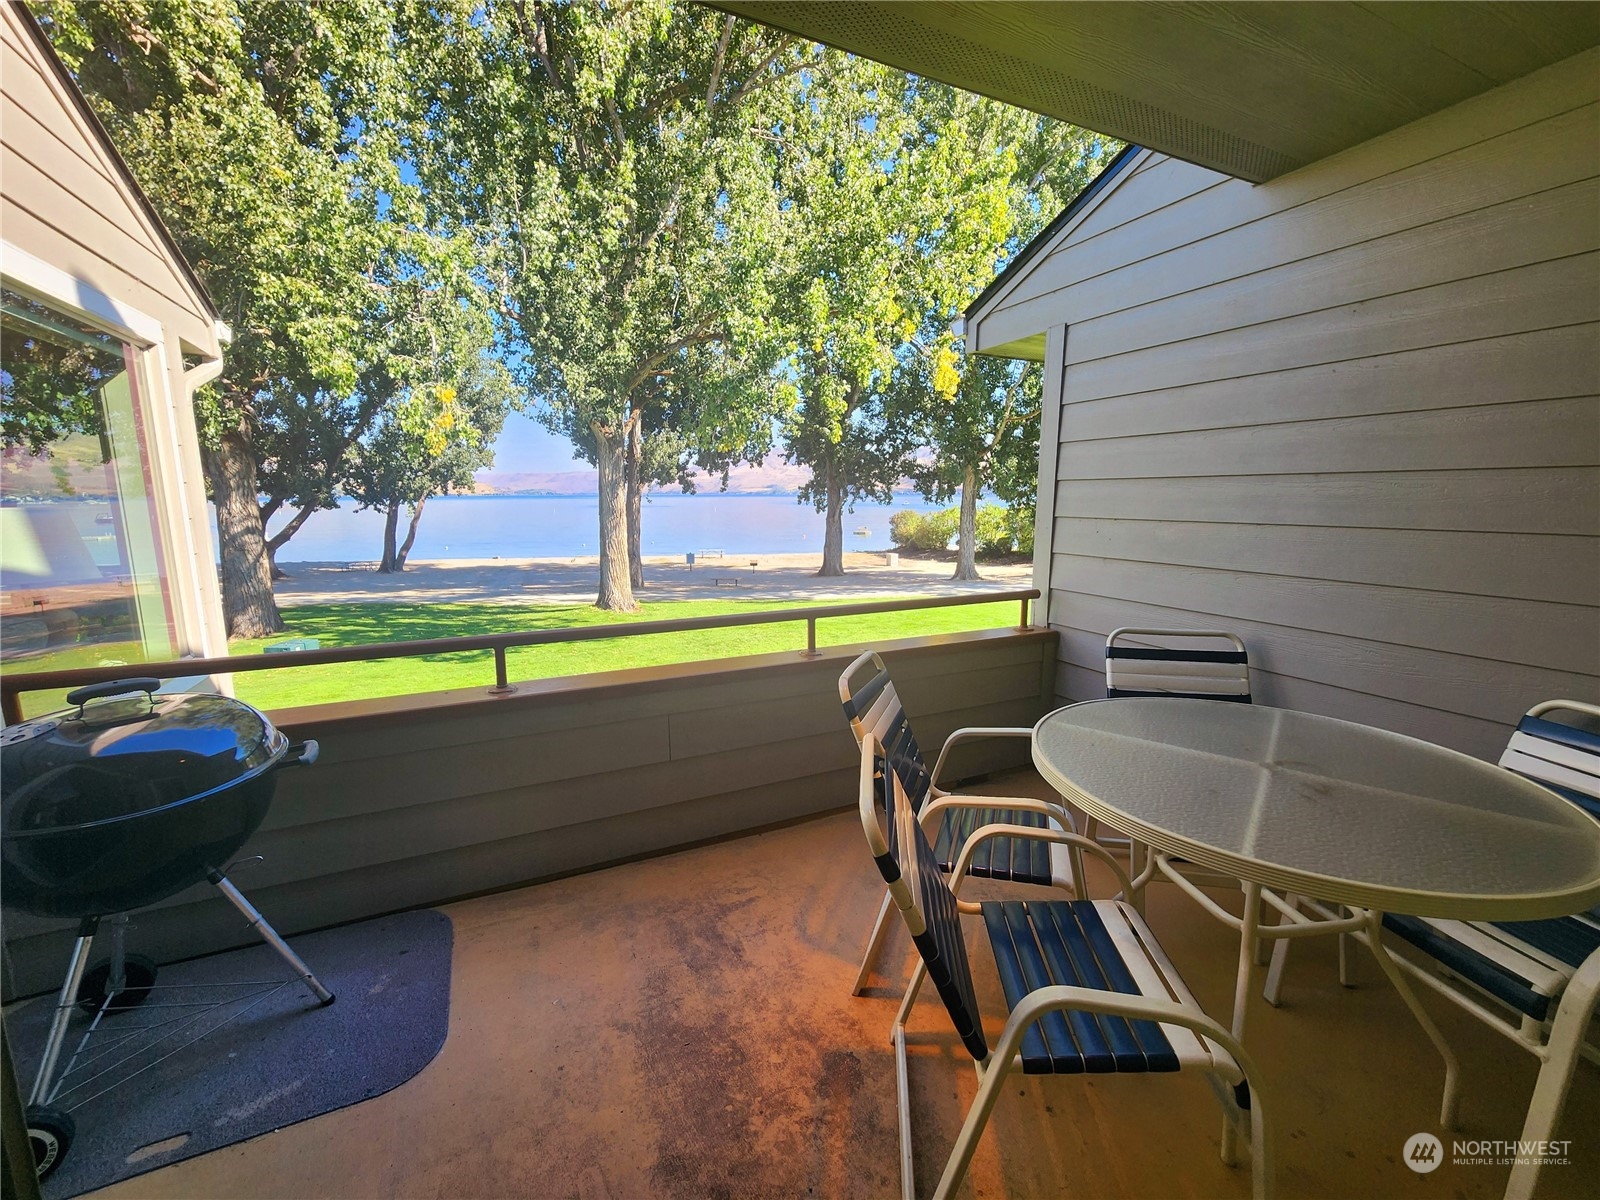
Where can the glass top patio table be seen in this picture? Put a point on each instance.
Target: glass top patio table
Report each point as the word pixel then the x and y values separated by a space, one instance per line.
pixel 1325 808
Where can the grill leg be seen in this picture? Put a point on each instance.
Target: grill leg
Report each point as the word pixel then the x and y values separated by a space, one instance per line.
pixel 118 979
pixel 64 1004
pixel 270 936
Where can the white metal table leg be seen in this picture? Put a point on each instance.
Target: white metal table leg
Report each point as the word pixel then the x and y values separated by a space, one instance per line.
pixel 1244 986
pixel 1374 940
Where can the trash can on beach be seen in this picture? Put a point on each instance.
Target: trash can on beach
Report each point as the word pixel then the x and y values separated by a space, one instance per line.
pixel 892 559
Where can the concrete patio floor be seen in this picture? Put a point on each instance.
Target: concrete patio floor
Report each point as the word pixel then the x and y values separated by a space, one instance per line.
pixel 682 1027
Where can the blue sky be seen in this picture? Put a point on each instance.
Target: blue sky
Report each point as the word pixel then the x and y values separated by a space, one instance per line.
pixel 526 445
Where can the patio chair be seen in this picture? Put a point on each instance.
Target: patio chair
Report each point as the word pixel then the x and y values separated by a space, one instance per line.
pixel 1135 668
pixel 1536 982
pixel 1139 670
pixel 873 708
pixel 1087 986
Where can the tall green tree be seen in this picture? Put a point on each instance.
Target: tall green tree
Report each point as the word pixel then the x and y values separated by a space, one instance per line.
pixel 431 440
pixel 903 184
pixel 440 396
pixel 268 134
pixel 980 421
pixel 979 416
pixel 622 152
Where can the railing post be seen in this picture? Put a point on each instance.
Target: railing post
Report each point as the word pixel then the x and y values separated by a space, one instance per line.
pixel 501 686
pixel 811 650
pixel 1026 624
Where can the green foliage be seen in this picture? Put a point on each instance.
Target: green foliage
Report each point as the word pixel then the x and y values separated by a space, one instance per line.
pixel 620 154
pixel 270 135
pixel 924 531
pixel 903 526
pixel 903 202
pixel 1020 520
pixel 994 530
pixel 51 378
pixel 999 529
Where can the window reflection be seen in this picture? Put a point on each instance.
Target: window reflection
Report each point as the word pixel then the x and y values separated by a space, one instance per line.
pixel 81 565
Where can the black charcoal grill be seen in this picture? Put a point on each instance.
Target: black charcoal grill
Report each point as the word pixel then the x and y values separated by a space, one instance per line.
pixel 116 804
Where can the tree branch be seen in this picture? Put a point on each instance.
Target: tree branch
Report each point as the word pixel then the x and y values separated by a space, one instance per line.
pixel 755 80
pixel 716 66
pixel 647 369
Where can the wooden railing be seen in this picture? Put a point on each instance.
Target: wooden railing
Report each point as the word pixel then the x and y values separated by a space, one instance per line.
pixel 14 686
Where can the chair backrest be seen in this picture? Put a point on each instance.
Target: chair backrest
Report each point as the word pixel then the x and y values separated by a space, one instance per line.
pixel 920 892
pixel 1563 757
pixel 873 707
pixel 1143 670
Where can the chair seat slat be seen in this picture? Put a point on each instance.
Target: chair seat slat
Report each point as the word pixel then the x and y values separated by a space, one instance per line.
pixel 1097 1055
pixel 1152 1041
pixel 1061 1055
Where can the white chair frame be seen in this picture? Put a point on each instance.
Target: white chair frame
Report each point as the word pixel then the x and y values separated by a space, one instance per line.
pixel 1067 868
pixel 1558 1041
pixel 1214 1050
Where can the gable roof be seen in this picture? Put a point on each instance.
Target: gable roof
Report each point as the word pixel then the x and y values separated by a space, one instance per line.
pixel 1045 236
pixel 113 158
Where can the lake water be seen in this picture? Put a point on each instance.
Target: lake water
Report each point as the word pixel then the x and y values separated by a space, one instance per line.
pixel 568 526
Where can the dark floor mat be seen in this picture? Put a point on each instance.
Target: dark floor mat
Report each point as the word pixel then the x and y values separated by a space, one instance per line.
pixel 280 1059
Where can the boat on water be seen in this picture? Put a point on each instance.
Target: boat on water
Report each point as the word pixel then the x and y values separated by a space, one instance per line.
pixel 863 531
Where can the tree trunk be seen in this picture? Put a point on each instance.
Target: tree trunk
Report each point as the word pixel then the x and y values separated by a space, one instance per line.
pixel 278 540
pixel 391 521
pixel 616 588
pixel 411 535
pixel 833 526
pixel 248 608
pixel 967 539
pixel 635 505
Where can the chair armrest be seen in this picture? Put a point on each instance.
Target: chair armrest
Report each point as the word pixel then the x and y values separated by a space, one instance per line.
pixel 964 735
pixel 927 818
pixel 1056 836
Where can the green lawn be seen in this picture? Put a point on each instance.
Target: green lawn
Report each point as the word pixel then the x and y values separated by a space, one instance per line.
pixel 355 624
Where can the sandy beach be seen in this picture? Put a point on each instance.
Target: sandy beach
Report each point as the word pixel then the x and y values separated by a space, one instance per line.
pixel 574 580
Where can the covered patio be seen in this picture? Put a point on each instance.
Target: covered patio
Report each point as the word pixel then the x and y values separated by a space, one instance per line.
pixel 1370 452
pixel 683 1026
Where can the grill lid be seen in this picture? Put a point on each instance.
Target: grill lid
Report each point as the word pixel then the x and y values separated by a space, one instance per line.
pixel 124 751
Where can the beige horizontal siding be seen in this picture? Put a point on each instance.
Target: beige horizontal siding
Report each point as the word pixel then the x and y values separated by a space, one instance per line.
pixel 416 802
pixel 66 202
pixel 1179 245
pixel 1352 414
pixel 1553 500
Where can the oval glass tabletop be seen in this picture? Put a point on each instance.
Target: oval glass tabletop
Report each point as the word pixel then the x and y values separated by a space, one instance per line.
pixel 1331 809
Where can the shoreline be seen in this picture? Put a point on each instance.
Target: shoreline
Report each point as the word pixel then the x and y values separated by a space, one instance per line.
pixel 574 579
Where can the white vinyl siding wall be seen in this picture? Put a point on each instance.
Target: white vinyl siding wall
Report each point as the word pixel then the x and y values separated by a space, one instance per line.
pixel 1350 414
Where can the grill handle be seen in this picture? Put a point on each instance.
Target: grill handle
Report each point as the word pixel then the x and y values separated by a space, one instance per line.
pixel 302 754
pixel 117 687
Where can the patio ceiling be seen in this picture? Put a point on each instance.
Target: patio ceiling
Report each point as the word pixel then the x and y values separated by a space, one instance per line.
pixel 1254 90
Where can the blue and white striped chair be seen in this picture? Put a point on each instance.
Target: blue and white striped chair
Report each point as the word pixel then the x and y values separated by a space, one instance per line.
pixel 1134 669
pixel 1537 982
pixel 873 708
pixel 1087 986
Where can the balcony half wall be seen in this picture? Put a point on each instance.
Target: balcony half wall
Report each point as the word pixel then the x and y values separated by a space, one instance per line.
pixel 421 799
